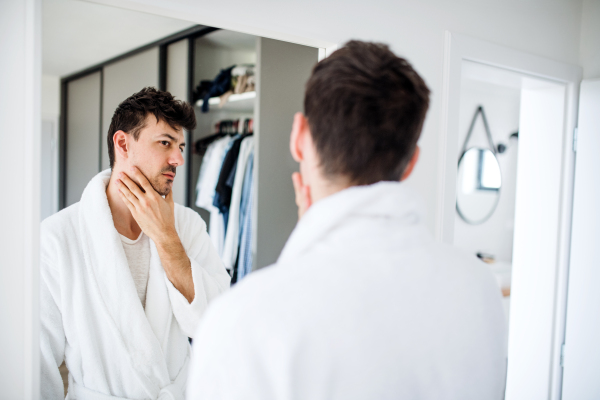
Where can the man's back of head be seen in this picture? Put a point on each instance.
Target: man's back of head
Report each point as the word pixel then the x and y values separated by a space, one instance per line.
pixel 365 108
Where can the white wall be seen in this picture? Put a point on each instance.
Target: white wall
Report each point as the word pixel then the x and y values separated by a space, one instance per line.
pixel 414 29
pixel 20 72
pixel 590 39
pixel 501 106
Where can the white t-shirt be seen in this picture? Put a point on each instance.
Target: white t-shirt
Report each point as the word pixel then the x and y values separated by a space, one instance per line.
pixel 138 257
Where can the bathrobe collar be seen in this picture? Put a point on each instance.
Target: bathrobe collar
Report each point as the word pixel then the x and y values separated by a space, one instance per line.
pixel 383 199
pixel 144 334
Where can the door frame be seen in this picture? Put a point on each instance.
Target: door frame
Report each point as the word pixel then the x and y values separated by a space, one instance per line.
pixel 580 352
pixel 459 48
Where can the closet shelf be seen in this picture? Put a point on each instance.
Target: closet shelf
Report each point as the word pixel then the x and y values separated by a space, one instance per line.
pixel 236 102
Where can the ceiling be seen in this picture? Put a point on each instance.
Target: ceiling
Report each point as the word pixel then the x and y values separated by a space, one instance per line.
pixel 77 34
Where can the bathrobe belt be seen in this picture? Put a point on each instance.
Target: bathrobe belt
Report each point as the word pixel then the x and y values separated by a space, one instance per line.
pixel 174 391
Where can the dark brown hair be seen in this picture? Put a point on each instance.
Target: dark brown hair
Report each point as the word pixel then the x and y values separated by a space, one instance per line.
pixel 130 116
pixel 365 108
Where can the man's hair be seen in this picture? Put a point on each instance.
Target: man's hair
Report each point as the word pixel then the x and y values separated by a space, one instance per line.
pixel 130 115
pixel 365 108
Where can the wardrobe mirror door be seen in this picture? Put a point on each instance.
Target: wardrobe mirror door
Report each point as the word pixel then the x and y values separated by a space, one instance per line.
pixel 478 185
pixel 82 135
pixel 283 69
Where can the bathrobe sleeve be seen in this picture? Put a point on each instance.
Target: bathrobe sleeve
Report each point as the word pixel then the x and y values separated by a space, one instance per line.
pixel 208 272
pixel 52 336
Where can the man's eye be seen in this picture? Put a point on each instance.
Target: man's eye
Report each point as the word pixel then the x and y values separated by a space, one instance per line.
pixel 181 149
pixel 164 143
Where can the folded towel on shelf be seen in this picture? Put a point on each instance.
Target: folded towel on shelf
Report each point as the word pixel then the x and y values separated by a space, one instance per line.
pixel 232 80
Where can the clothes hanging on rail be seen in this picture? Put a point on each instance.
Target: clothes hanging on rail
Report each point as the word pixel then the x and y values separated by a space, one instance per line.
pixel 201 145
pixel 244 259
pixel 230 248
pixel 205 188
pixel 223 188
pixel 222 194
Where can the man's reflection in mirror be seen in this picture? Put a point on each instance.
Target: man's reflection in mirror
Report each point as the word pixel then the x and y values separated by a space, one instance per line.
pixel 126 274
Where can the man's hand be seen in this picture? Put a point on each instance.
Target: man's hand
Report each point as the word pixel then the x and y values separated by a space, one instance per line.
pixel 156 218
pixel 154 215
pixel 303 199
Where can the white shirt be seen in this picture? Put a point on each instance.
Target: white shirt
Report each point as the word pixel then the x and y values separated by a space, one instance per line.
pixel 363 303
pixel 138 257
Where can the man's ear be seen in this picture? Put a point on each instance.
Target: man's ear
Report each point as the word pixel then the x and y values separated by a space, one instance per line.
pixel 120 141
pixel 411 163
pixel 297 137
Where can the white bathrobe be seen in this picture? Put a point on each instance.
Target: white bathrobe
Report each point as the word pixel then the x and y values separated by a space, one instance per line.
pixel 362 304
pixel 92 317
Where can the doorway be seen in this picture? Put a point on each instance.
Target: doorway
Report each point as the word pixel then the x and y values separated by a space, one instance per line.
pixel 531 105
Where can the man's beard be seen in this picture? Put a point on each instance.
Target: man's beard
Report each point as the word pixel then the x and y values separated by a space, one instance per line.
pixel 156 183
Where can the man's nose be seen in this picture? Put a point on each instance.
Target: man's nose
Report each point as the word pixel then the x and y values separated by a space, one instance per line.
pixel 177 158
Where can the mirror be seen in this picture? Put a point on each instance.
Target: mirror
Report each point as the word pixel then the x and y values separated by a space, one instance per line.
pixel 478 185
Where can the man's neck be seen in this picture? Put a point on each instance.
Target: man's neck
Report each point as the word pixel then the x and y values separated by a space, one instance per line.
pixel 123 220
pixel 326 188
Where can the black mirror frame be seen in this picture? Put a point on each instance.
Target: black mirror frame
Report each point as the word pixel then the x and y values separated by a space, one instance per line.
pixel 462 216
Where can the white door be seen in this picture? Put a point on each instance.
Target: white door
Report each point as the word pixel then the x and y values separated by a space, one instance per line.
pixel 581 374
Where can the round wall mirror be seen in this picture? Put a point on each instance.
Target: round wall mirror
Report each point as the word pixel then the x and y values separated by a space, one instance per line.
pixel 478 185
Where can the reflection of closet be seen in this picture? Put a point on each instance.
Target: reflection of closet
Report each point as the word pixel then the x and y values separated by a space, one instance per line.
pixel 177 64
pixel 212 53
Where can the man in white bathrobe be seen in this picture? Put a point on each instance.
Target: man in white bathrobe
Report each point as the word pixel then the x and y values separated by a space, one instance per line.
pixel 126 274
pixel 362 303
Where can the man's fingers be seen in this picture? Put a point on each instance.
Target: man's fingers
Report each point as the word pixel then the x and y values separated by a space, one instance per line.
pixel 124 190
pixel 142 180
pixel 303 197
pixel 297 181
pixel 127 202
pixel 131 185
pixel 306 197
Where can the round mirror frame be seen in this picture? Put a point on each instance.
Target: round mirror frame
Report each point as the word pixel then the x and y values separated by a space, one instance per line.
pixel 484 219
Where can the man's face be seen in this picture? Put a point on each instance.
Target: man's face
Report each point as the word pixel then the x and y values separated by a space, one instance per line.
pixel 157 152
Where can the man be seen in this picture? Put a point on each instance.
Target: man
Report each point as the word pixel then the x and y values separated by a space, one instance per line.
pixel 362 303
pixel 127 274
